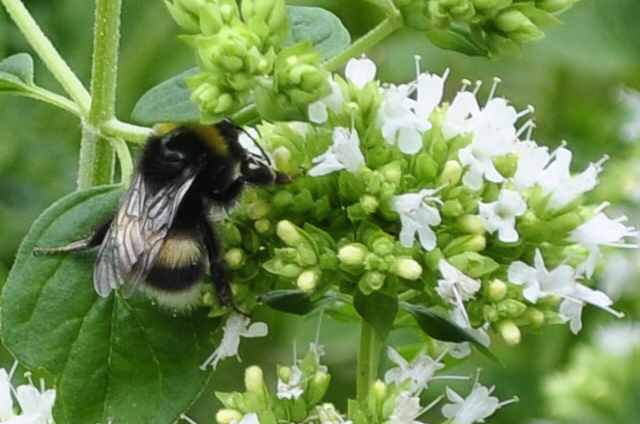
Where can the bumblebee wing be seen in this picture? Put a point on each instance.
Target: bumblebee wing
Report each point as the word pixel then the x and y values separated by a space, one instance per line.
pixel 136 234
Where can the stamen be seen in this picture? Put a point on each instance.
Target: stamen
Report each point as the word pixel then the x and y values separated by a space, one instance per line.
pixel 528 110
pixel 28 375
pixel 530 131
pixel 496 81
pixel 42 387
pixel 417 58
pixel 477 88
pixel 601 207
pixel 319 326
pixel 208 361
pixel 451 377
pixel 460 304
pixel 431 405
pixel 465 84
pixel 13 369
pixel 601 162
pixel 525 126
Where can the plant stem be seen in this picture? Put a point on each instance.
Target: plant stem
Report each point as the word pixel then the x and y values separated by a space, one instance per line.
pixel 381 31
pixel 48 53
pixel 368 360
pixel 96 153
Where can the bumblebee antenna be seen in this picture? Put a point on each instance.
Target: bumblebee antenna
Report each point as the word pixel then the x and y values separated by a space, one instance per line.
pixel 264 154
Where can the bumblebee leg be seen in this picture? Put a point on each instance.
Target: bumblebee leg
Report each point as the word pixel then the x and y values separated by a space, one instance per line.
pixel 230 194
pixel 89 242
pixel 260 174
pixel 220 275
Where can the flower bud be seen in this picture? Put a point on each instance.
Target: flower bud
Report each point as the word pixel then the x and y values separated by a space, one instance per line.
pixel 282 199
pixel 258 209
pixel 288 233
pixel 227 416
pixel 451 173
pixel 369 203
pixel 282 157
pixel 511 308
pixel 535 317
pixel 487 4
pixel 284 373
pixel 470 224
pixel 490 313
pixel 518 26
pixel 425 168
pixel 317 387
pixel 307 280
pixel 510 332
pixel 392 172
pixel 234 258
pixel 407 268
pixel 254 380
pixel 352 254
pixel 497 290
pixel 262 225
pixel 382 245
pixel 371 281
pixel 452 208
pixel 470 243
pixel 555 6
pixel 185 15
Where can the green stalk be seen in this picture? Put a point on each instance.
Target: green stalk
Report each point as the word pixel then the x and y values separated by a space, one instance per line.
pixel 368 360
pixel 96 154
pixel 381 31
pixel 48 53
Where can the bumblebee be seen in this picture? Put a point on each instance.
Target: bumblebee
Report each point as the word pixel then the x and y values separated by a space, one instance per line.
pixel 160 239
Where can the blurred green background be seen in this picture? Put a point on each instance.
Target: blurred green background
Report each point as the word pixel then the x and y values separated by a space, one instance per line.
pixel 571 78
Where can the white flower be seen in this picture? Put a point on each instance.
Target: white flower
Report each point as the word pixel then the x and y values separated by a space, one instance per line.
pixel 36 406
pixel 328 414
pixel 417 217
pixel 430 88
pixel 475 408
pixel 293 388
pixel 420 371
pixel 319 111
pixel 501 215
pixel 561 281
pixel 236 326
pixel 343 154
pixel 360 71
pixel 557 182
pixel 406 410
pixel 531 161
pixel 6 403
pixel 457 120
pixel 463 349
pixel 398 121
pixel 251 418
pixel 455 287
pixel 600 231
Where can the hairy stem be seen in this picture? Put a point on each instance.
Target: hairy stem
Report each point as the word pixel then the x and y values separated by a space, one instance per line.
pixel 368 360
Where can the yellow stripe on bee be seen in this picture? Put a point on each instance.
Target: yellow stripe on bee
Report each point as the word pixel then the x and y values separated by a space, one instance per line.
pixel 178 252
pixel 208 133
pixel 164 128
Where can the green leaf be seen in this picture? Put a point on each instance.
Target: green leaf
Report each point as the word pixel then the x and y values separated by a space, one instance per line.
pixel 16 73
pixel 326 32
pixel 378 309
pixel 442 328
pixel 169 101
pixel 111 357
pixel 457 40
pixel 295 302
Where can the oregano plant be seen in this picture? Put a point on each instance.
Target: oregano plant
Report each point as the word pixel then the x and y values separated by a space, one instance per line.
pixel 406 209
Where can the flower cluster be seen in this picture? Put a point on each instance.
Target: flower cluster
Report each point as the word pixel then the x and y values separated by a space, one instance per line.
pixel 35 405
pixel 240 50
pixel 399 199
pixel 481 26
pixel 301 388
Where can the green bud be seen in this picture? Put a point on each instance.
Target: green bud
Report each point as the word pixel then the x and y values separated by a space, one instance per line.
pixel 565 223
pixel 307 280
pixel 371 281
pixel 535 317
pixel 382 245
pixel 377 398
pixel 451 173
pixel 185 13
pixel 451 9
pixel 227 416
pixel 518 26
pixel 288 233
pixel 470 243
pixel 282 157
pixel 511 308
pixel 555 6
pixel 234 258
pixel 254 380
pixel 425 168
pixel 452 208
pixel 470 224
pixel 262 225
pixel 284 373
pixel 232 235
pixel 282 199
pixel 392 172
pixel 497 290
pixel 317 387
pixel 490 4
pixel 510 332
pixel 353 254
pixel 369 203
pixel 407 268
pixel 432 258
pixel 305 255
pixel 490 313
pixel 258 210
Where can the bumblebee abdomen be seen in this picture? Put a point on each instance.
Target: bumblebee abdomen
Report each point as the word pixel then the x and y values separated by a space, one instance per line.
pixel 179 265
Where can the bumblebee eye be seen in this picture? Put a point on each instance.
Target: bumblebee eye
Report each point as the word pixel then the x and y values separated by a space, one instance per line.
pixel 170 151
